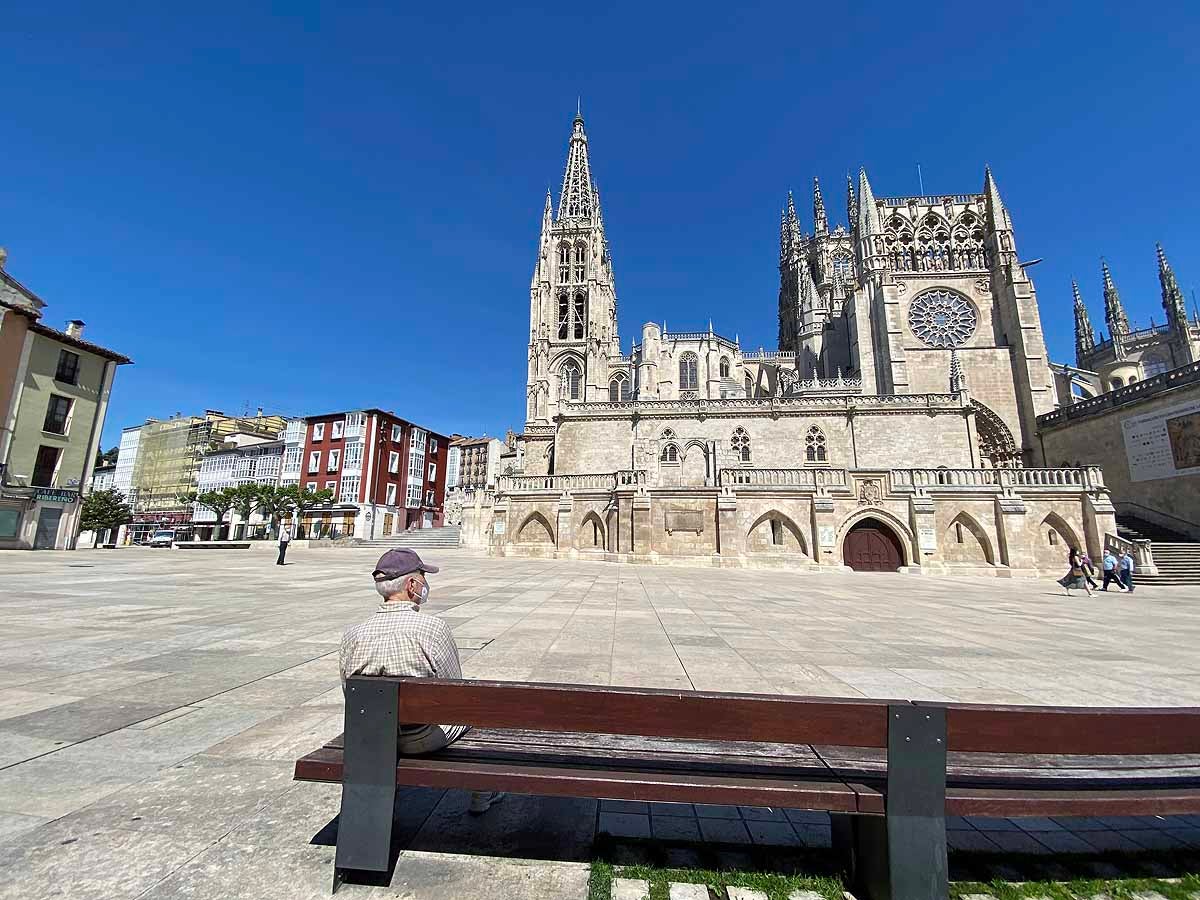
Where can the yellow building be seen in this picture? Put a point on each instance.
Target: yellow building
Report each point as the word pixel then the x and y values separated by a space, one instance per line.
pixel 54 390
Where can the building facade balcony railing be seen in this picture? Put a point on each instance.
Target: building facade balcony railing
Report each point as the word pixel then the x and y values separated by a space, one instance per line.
pixel 1167 381
pixel 522 484
pixel 1081 478
pixel 812 478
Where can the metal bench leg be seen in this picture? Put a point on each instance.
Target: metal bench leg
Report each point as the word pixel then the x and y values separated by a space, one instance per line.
pixel 916 803
pixel 368 779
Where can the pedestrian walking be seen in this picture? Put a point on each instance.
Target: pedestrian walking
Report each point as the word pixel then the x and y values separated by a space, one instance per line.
pixel 1125 568
pixel 284 538
pixel 1074 577
pixel 1111 575
pixel 1089 570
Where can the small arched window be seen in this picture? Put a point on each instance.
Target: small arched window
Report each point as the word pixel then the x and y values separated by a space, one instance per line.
pixel 580 316
pixel 564 317
pixel 564 262
pixel 670 454
pixel 688 380
pixel 569 380
pixel 580 263
pixel 814 445
pixel 1117 382
pixel 724 366
pixel 618 388
pixel 740 443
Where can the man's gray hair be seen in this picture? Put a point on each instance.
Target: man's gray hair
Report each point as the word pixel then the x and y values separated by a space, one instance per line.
pixel 389 587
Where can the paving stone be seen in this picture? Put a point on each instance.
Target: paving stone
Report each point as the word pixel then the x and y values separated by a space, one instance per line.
pixel 809 895
pixel 630 889
pixel 680 891
pixel 741 893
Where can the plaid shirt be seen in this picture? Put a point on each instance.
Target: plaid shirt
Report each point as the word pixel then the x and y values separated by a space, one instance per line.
pixel 400 640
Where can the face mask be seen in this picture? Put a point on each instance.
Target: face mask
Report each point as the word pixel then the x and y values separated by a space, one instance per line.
pixel 423 596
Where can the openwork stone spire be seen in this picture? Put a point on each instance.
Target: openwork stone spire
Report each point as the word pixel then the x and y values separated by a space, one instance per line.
pixel 793 222
pixel 820 219
pixel 578 193
pixel 1114 311
pixel 851 203
pixel 1085 337
pixel 1172 297
pixel 958 380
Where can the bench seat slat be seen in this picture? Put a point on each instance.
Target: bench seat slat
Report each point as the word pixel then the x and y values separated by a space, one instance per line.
pixel 1104 801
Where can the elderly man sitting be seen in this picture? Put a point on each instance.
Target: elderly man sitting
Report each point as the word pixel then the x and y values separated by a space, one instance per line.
pixel 400 640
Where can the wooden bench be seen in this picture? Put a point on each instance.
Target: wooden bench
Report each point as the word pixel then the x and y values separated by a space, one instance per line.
pixel 888 771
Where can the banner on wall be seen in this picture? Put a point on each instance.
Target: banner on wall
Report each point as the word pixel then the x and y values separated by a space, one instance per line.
pixel 1163 444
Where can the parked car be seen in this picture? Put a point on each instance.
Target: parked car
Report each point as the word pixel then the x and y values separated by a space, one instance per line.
pixel 164 537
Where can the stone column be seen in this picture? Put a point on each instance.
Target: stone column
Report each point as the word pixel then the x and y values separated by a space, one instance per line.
pixel 924 528
pixel 641 523
pixel 1011 539
pixel 730 541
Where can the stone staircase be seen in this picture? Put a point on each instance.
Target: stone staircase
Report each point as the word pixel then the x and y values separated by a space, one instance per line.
pixel 1176 557
pixel 443 538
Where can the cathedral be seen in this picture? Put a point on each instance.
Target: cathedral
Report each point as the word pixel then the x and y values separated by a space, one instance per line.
pixel 893 428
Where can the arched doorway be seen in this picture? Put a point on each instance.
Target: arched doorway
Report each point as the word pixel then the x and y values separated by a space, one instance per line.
pixel 870 546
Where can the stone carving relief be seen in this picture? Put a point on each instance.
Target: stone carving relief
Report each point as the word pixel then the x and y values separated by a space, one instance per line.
pixel 870 492
pixel 682 519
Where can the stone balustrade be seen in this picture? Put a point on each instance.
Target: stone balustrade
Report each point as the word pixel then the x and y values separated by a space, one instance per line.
pixel 804 478
pixel 524 484
pixel 1083 478
pixel 627 478
pixel 1143 556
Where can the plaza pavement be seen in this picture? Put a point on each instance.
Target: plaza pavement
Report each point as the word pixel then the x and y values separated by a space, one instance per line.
pixel 152 704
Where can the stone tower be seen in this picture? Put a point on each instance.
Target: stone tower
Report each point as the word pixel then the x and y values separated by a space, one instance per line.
pixel 572 297
pixel 1085 337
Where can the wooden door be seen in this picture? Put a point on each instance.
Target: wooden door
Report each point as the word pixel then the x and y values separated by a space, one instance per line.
pixel 387 523
pixel 872 547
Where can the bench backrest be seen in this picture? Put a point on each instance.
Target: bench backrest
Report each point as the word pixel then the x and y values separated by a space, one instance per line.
pixel 648 712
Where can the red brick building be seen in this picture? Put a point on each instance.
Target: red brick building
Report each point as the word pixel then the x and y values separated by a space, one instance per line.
pixel 386 474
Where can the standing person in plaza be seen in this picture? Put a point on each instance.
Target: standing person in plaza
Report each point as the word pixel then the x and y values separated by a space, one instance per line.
pixel 400 640
pixel 1089 569
pixel 1111 576
pixel 1075 575
pixel 1125 567
pixel 285 538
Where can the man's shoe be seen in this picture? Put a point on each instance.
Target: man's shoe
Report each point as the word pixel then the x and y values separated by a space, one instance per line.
pixel 482 801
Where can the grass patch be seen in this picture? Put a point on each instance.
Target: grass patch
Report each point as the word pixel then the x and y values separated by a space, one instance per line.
pixel 1184 888
pixel 774 885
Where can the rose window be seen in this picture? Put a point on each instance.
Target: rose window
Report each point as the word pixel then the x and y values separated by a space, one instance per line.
pixel 942 318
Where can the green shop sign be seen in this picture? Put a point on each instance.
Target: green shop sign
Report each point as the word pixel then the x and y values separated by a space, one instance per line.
pixel 56 495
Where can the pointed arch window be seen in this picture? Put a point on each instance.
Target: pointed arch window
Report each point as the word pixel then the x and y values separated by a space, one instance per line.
pixel 564 262
pixel 814 445
pixel 618 388
pixel 570 380
pixel 749 386
pixel 564 317
pixel 724 366
pixel 843 267
pixel 688 366
pixel 580 316
pixel 580 263
pixel 740 442
pixel 670 454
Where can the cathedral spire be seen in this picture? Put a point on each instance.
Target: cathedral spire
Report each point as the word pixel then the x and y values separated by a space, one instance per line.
pixel 868 221
pixel 851 203
pixel 1172 296
pixel 793 222
pixel 1000 238
pixel 820 220
pixel 958 380
pixel 578 193
pixel 1114 312
pixel 1085 337
pixel 785 236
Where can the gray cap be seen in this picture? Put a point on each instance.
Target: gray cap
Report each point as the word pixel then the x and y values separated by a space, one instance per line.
pixel 399 562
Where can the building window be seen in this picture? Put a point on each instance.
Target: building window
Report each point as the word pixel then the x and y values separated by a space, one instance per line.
pixel 68 367
pixel 724 366
pixel 564 264
pixel 776 532
pixel 335 457
pixel 670 454
pixel 412 496
pixel 958 535
pixel 1052 537
pixel 580 263
pixel 843 267
pixel 350 490
pixel 314 461
pixel 319 431
pixel 397 433
pixel 429 498
pixel 1117 382
pixel 569 379
pixel 44 466
pixel 618 388
pixel 740 442
pixel 433 471
pixel 580 316
pixel 58 415
pixel 393 462
pixel 417 440
pixel 433 445
pixel 354 455
pixel 1154 365
pixel 310 485
pixel 688 380
pixel 564 317
pixel 391 495
pixel 331 486
pixel 291 460
pixel 814 445
pixel 336 430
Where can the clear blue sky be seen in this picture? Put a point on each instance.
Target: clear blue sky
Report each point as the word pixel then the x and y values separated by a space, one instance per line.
pixel 321 207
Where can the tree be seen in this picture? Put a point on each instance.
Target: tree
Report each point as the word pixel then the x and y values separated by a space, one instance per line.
pixel 303 499
pixel 107 458
pixel 104 511
pixel 246 498
pixel 220 503
pixel 274 502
